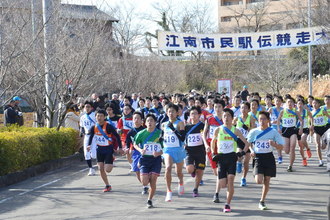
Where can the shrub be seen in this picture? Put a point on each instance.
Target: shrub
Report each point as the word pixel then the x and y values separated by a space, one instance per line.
pixel 22 147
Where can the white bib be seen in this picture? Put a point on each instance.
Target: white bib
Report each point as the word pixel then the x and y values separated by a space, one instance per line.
pixel 151 148
pixel 262 146
pixel 194 140
pixel 128 124
pixel 243 131
pixel 101 141
pixel 211 131
pixel 289 122
pixel 226 147
pixel 319 121
pixel 170 139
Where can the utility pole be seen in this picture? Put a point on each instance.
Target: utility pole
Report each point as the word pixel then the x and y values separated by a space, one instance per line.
pixel 310 73
pixel 48 7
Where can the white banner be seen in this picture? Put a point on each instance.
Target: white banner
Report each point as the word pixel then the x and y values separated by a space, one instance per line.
pixel 242 41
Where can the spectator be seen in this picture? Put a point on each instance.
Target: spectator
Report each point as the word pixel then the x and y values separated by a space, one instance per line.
pixel 245 93
pixel 72 118
pixel 11 114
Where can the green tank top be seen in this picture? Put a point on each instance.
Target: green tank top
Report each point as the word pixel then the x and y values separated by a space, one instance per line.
pixel 226 144
pixel 246 122
pixel 289 119
pixel 320 119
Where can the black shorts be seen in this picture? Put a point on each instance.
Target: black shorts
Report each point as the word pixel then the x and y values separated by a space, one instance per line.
pixel 104 155
pixel 320 130
pixel 305 131
pixel 264 164
pixel 288 132
pixel 196 156
pixel 227 165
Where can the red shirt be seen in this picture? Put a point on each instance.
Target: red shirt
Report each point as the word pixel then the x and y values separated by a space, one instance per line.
pixel 213 124
pixel 125 127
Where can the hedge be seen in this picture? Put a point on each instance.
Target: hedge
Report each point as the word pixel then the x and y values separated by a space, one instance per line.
pixel 23 147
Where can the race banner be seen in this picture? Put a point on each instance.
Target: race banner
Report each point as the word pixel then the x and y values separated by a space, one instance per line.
pixel 242 41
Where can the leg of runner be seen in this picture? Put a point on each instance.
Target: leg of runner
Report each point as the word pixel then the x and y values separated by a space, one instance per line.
pixel 318 148
pixel 280 156
pixel 168 176
pixel 229 181
pixel 152 191
pixel 302 152
pixel 178 169
pixel 265 180
pixel 293 143
pixel 104 169
pixel 246 166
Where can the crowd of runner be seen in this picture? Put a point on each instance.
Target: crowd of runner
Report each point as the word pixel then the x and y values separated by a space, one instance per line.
pixel 186 130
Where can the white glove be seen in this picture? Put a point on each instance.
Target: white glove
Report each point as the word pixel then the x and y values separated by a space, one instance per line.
pixel 20 114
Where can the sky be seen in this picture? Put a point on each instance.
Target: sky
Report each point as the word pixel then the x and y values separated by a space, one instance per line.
pixel 141 5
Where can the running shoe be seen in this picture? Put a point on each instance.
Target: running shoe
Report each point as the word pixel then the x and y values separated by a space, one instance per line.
pixel 321 164
pixel 279 160
pixel 289 169
pixel 145 190
pixel 309 153
pixel 216 199
pixel 227 208
pixel 107 189
pixel 193 174
pixel 304 162
pixel 243 182
pixel 180 190
pixel 168 197
pixel 149 204
pixel 91 172
pixel 195 193
pixel 239 167
pixel 262 206
pixel 201 183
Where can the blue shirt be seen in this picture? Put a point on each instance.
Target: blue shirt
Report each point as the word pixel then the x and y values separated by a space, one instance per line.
pixel 271 135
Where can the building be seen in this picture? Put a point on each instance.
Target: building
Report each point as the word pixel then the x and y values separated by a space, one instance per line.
pixel 260 15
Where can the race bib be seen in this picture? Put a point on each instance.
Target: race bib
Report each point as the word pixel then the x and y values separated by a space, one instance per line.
pixel 88 124
pixel 319 121
pixel 273 117
pixel 194 140
pixel 151 148
pixel 226 147
pixel 170 139
pixel 102 141
pixel 128 125
pixel 243 131
pixel 288 122
pixel 262 146
pixel 212 130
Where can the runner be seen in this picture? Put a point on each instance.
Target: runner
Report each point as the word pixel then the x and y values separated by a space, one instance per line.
pixel 125 124
pixel 289 130
pixel 111 118
pixel 263 140
pixel 302 139
pixel 148 144
pixel 87 121
pixel 174 153
pixel 255 109
pixel 327 107
pixel 237 106
pixel 244 123
pixel 137 126
pixel 107 140
pixel 310 100
pixel 225 137
pixel 156 106
pixel 274 113
pixel 196 154
pixel 268 102
pixel 210 103
pixel 210 125
pixel 319 127
pixel 147 107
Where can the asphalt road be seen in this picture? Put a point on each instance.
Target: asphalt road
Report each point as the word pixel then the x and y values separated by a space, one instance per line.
pixel 70 194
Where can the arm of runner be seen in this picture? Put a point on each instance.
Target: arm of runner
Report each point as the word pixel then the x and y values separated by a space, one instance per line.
pixel 279 122
pixel 205 132
pixel 214 140
pixel 112 130
pixel 240 136
pixel 302 124
pixel 278 143
pixel 90 140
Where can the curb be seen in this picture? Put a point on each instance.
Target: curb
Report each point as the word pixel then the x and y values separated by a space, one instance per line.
pixel 36 170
